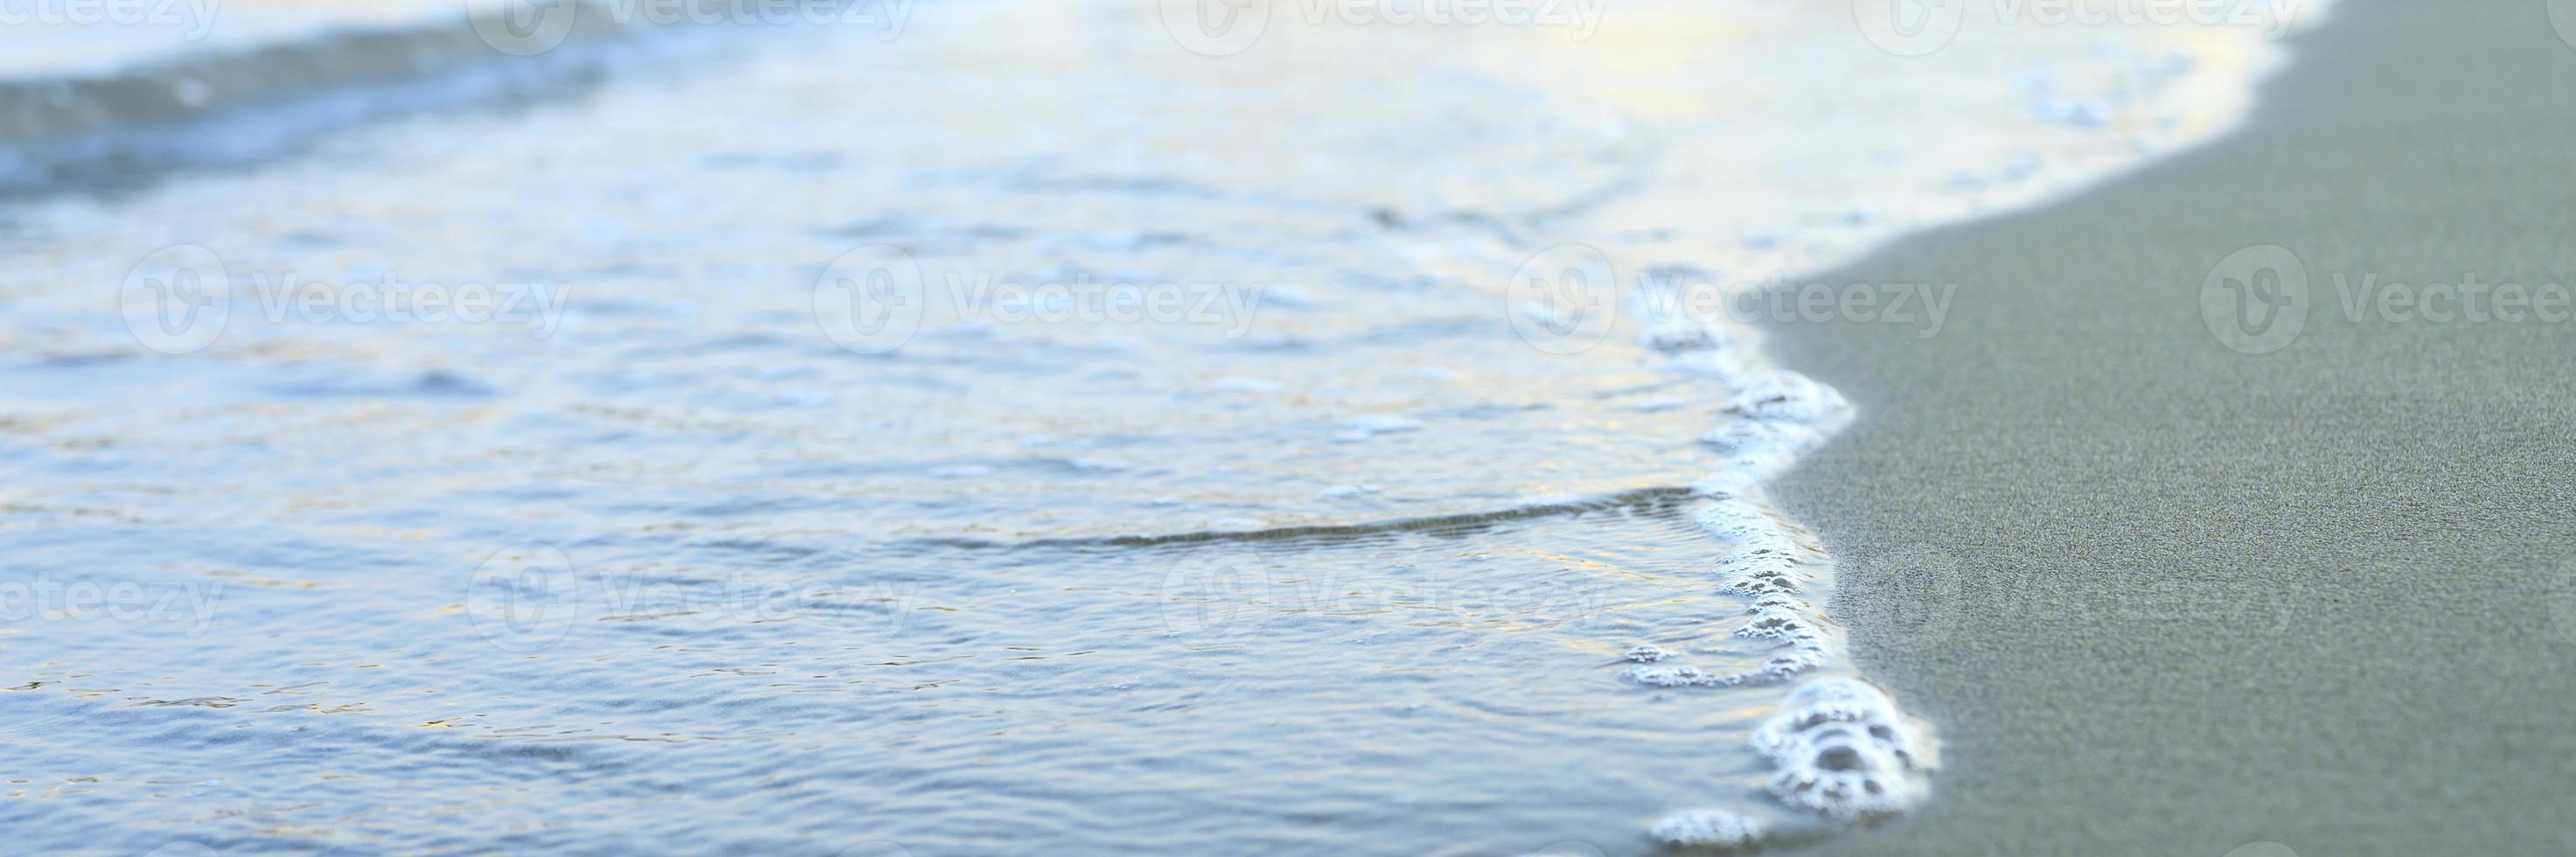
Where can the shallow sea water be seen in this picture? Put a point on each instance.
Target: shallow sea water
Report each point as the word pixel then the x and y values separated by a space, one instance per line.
pixel 1018 434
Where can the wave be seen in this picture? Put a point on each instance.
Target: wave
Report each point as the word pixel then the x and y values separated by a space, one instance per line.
pixel 1839 746
pixel 1535 507
pixel 217 107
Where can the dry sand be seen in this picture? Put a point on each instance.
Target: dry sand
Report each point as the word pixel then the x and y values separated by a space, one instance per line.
pixel 2164 597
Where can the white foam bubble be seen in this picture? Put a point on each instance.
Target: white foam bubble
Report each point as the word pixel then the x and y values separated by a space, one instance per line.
pixel 1646 654
pixel 1843 749
pixel 1679 677
pixel 1706 828
pixel 1784 395
pixel 1839 746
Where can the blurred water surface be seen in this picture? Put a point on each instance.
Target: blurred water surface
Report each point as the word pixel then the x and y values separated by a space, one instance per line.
pixel 537 480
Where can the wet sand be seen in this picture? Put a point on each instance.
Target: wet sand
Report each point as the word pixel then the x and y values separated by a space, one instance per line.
pixel 2164 597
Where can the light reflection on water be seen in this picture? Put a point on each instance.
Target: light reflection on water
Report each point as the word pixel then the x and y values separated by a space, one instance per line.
pixel 646 561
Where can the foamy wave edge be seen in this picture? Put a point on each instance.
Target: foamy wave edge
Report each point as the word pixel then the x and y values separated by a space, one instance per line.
pixel 1840 747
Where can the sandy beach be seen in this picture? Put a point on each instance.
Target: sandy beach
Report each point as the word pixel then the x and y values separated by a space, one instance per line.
pixel 1289 428
pixel 2169 597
